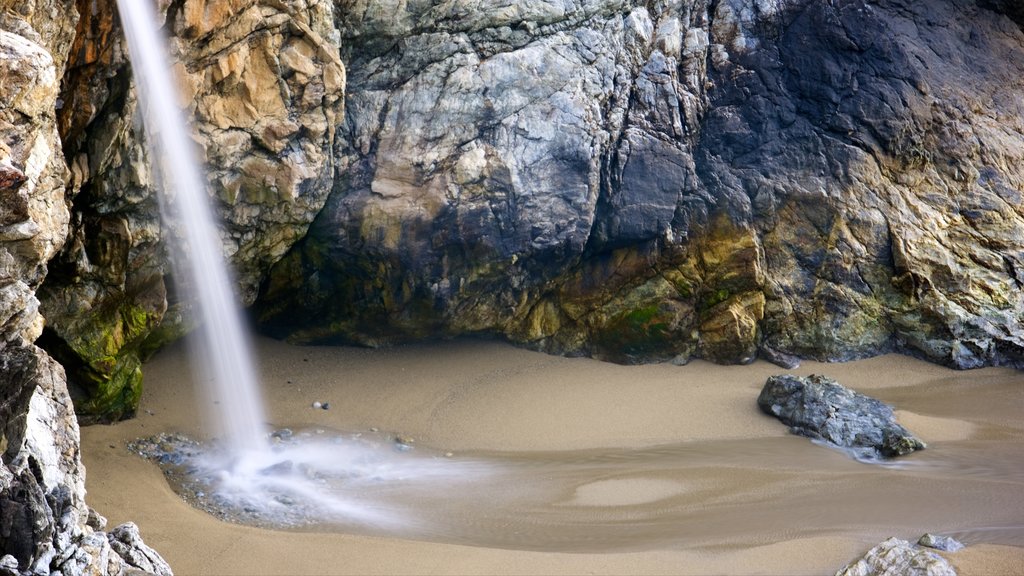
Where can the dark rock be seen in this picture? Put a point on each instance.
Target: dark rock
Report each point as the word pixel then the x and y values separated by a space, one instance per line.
pixel 96 521
pixel 944 543
pixel 787 361
pixel 10 178
pixel 896 557
pixel 820 408
pixel 1014 9
pixel 282 467
pixel 282 434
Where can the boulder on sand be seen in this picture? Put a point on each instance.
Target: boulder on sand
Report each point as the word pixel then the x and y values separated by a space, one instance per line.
pixel 820 408
pixel 896 557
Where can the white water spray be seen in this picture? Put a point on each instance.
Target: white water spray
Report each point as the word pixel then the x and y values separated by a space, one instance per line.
pixel 227 362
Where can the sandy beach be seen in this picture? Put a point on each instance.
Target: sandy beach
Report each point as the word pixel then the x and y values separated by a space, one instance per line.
pixel 647 428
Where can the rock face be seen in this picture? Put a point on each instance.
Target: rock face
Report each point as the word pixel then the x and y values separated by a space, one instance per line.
pixel 47 526
pixel 264 83
pixel 643 181
pixel 896 557
pixel 820 408
pixel 44 522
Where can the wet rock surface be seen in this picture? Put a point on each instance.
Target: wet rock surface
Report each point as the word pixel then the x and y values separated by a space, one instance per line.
pixel 822 409
pixel 286 490
pixel 896 557
pixel 178 456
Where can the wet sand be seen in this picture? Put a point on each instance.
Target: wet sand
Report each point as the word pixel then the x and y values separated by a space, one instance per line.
pixel 682 474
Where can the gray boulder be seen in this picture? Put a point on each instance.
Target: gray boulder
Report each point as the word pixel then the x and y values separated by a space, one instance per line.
pixel 896 557
pixel 127 542
pixel 820 408
pixel 944 543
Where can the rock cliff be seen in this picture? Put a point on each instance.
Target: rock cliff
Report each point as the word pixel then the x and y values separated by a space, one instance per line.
pixel 657 180
pixel 264 83
pixel 45 524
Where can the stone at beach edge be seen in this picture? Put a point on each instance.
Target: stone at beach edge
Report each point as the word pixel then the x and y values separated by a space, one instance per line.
pixel 819 407
pixel 896 557
pixel 944 543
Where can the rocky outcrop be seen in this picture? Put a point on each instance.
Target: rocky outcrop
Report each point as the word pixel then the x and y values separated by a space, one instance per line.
pixel 659 180
pixel 45 525
pixel 820 408
pixel 264 83
pixel 896 557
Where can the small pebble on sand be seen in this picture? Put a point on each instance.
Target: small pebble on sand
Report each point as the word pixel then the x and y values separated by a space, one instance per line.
pixel 317 405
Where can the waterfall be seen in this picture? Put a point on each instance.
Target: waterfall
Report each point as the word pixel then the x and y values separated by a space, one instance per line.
pixel 283 480
pixel 226 370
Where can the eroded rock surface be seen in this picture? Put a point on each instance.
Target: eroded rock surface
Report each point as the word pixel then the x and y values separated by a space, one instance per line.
pixel 659 180
pixel 896 557
pixel 264 83
pixel 47 526
pixel 44 522
pixel 820 408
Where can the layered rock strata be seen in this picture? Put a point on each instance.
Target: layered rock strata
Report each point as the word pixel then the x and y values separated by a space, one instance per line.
pixel 264 83
pixel 644 181
pixel 45 525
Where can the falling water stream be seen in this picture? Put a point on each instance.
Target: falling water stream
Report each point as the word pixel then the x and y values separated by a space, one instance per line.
pixel 243 470
pixel 227 362
pixel 699 492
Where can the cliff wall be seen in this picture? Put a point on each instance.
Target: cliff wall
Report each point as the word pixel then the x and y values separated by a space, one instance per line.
pixel 45 524
pixel 264 84
pixel 661 180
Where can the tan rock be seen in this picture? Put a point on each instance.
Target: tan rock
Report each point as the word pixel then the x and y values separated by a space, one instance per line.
pixel 265 85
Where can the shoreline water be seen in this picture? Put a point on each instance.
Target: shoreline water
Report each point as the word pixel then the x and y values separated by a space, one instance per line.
pixel 487 397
